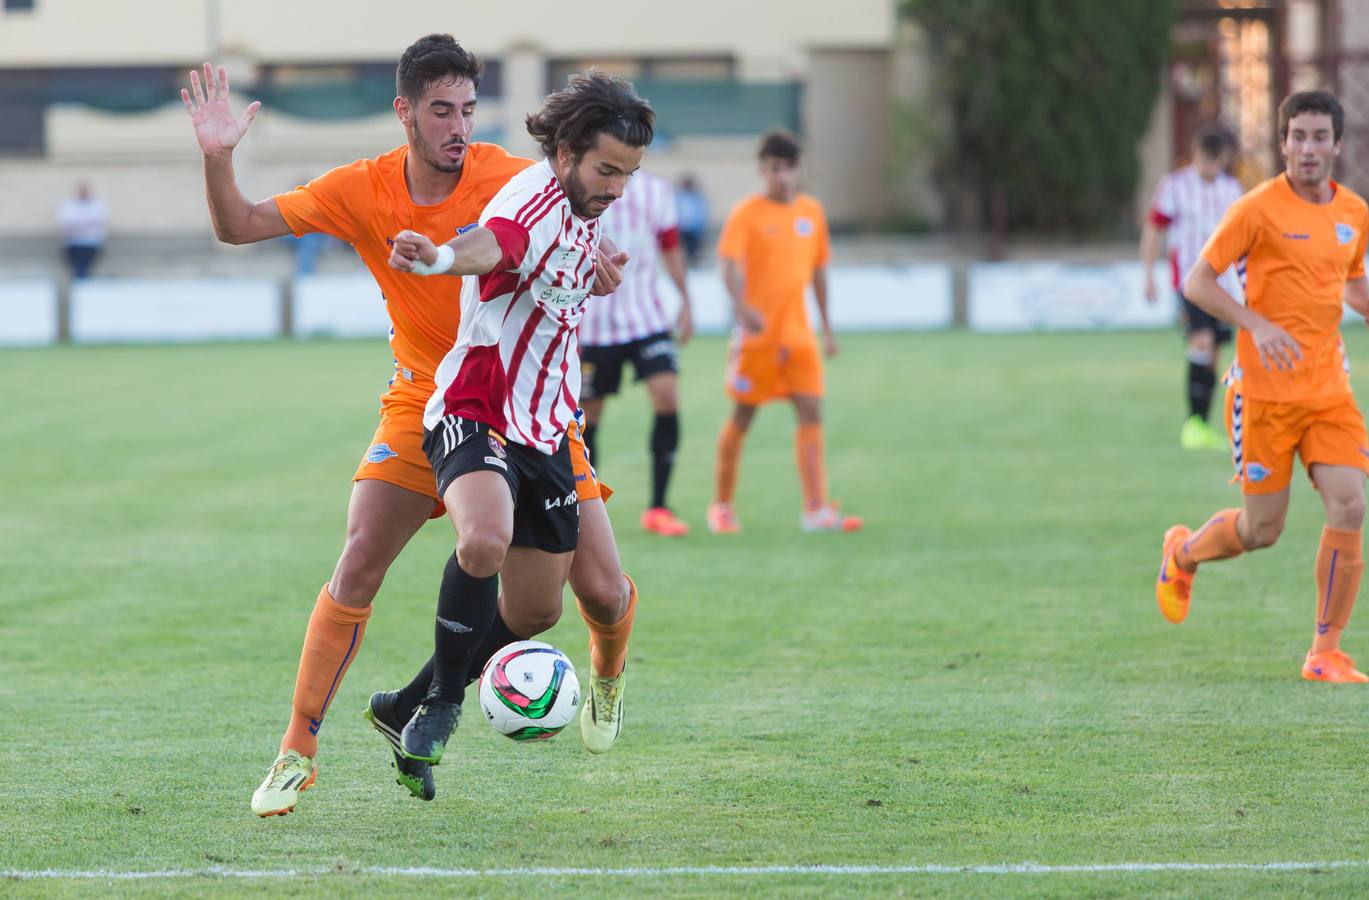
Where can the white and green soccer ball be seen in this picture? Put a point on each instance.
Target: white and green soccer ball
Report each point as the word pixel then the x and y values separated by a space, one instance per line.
pixel 529 691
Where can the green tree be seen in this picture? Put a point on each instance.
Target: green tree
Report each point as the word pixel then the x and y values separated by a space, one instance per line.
pixel 1047 101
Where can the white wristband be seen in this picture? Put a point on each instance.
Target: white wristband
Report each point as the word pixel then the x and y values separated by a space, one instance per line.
pixel 445 257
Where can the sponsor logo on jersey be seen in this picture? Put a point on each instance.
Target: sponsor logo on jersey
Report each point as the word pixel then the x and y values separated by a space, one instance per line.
pixel 465 228
pixel 559 502
pixel 1256 472
pixel 1296 237
pixel 563 298
pixel 379 453
pixel 1344 234
pixel 803 226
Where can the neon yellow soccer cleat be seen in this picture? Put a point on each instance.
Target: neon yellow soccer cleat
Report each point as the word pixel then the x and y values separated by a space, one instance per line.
pixel 289 776
pixel 601 719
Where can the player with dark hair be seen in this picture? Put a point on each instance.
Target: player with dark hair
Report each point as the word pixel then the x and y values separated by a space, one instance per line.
pixel 1301 238
pixel 506 394
pixel 438 181
pixel 773 245
pixel 1187 206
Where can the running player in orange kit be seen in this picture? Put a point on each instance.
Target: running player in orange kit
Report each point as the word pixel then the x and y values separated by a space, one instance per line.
pixel 772 246
pixel 438 183
pixel 1299 240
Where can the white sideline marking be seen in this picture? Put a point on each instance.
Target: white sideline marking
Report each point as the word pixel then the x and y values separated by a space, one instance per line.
pixel 658 871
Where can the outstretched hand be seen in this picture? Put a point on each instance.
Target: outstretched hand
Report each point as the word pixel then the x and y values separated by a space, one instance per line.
pixel 216 128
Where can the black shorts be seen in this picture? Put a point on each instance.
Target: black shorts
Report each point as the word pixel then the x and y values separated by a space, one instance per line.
pixel 601 368
pixel 546 514
pixel 1195 318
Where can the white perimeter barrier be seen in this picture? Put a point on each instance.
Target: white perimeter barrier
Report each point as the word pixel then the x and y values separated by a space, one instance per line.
pixel 186 309
pixel 1067 297
pixel 861 298
pixel 28 312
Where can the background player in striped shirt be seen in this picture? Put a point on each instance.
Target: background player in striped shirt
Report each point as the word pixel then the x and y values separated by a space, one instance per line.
pixel 437 180
pixel 773 246
pixel 1188 204
pixel 1303 239
pixel 507 391
pixel 634 325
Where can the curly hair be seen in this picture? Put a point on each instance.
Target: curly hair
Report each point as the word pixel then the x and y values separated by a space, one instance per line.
pixel 592 103
pixel 1313 102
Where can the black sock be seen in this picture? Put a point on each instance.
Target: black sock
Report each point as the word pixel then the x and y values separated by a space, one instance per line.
pixel 413 693
pixel 498 636
pixel 1201 382
pixel 665 438
pixel 588 433
pixel 466 606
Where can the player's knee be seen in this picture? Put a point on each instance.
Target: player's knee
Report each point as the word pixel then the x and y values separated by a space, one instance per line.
pixel 481 554
pixel 1263 534
pixel 603 596
pixel 1346 512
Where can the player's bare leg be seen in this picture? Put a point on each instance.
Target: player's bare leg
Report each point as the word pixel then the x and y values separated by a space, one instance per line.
pixel 722 515
pixel 1340 562
pixel 607 600
pixel 819 512
pixel 663 391
pixel 381 518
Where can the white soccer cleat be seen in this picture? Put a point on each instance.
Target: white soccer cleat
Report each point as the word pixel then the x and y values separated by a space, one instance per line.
pixel 601 719
pixel 289 776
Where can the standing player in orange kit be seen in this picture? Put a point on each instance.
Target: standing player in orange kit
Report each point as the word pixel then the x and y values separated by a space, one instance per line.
pixel 773 245
pixel 1300 239
pixel 438 182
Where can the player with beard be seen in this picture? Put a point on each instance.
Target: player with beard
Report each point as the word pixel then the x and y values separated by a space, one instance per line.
pixel 438 181
pixel 506 394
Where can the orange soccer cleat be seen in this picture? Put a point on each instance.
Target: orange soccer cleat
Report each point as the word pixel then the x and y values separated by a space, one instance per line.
pixel 659 520
pixel 1333 666
pixel 1173 586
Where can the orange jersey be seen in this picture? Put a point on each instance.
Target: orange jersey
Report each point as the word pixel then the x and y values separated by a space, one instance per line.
pixel 779 247
pixel 366 204
pixel 1296 257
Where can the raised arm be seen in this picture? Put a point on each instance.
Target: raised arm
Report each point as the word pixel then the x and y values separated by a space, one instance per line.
pixel 236 219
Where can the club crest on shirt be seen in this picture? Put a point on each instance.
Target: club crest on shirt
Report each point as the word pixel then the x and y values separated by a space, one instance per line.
pixel 1344 233
pixel 497 448
pixel 379 453
pixel 803 226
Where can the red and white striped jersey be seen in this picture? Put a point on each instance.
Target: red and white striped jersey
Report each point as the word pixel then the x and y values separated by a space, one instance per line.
pixel 516 362
pixel 643 222
pixel 1191 207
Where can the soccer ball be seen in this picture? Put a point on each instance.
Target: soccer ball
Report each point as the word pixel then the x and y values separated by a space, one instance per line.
pixel 529 691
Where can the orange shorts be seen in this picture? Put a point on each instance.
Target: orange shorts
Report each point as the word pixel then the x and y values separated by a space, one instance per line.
pixel 1265 435
pixel 396 454
pixel 759 373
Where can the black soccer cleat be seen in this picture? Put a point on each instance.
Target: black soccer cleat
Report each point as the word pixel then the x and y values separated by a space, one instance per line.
pixel 425 736
pixel 412 774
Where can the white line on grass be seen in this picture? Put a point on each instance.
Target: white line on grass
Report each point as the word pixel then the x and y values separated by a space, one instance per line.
pixel 659 871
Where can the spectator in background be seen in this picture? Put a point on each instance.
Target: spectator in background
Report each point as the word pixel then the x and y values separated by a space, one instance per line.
pixel 84 221
pixel 692 206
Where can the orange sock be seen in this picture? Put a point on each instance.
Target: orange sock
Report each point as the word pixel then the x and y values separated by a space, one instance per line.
pixel 608 643
pixel 1218 539
pixel 812 469
pixel 729 460
pixel 1340 561
pixel 330 644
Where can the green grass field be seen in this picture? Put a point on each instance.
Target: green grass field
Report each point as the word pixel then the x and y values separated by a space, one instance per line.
pixel 979 678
